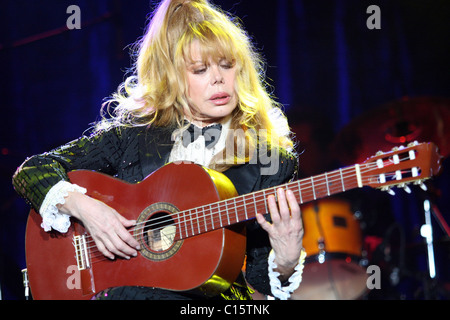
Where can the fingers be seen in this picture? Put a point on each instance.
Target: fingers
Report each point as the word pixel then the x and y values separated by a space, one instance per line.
pixel 284 211
pixel 106 226
pixel 118 241
pixel 125 222
pixel 124 234
pixel 111 235
pixel 111 245
pixel 293 205
pixel 262 222
pixel 286 230
pixel 285 208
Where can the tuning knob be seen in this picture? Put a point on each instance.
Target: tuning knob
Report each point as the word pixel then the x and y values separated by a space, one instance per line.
pixel 421 185
pixel 388 190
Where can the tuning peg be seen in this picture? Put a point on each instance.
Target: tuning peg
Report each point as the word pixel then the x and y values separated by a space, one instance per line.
pixel 421 185
pixel 388 190
pixel 412 144
pixel 407 189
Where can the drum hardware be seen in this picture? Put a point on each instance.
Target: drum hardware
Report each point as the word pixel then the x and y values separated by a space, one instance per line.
pixel 320 240
pixel 321 246
pixel 26 283
pixel 426 231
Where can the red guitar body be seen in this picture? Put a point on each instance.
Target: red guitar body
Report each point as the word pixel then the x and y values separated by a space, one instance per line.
pixel 207 263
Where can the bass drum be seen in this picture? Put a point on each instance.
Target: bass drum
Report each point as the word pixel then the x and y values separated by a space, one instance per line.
pixel 334 267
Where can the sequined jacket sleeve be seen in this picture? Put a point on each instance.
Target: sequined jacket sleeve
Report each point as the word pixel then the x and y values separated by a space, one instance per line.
pixel 38 174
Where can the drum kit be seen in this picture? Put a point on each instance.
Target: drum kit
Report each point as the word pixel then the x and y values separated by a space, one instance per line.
pixel 337 263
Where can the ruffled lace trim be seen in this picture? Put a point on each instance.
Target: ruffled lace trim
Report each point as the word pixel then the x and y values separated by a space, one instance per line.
pixel 278 291
pixel 51 217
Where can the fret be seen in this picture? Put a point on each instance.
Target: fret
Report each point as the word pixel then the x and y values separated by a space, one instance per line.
pixel 326 181
pixel 332 187
pixel 341 186
pixel 254 203
pixel 204 220
pixel 185 224
pixel 300 191
pixel 198 220
pixel 342 180
pixel 211 217
pixel 236 210
pixel 220 215
pixel 312 185
pixel 265 200
pixel 245 208
pixel 192 223
pixel 358 175
pixel 228 212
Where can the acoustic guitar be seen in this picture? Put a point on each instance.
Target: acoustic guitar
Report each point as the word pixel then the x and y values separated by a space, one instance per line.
pixel 189 224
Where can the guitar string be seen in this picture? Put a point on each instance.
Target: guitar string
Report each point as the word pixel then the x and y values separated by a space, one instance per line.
pixel 213 213
pixel 261 197
pixel 97 256
pixel 320 188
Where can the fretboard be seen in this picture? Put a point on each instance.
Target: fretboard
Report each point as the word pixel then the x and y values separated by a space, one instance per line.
pixel 242 208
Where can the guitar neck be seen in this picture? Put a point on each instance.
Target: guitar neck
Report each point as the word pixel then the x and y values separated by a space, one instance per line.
pixel 242 208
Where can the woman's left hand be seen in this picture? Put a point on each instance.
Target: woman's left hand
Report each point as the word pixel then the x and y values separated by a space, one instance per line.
pixel 285 231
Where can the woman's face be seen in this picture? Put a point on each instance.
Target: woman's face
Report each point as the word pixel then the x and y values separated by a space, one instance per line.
pixel 211 90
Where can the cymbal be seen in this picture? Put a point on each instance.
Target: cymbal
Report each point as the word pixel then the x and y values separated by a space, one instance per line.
pixel 422 119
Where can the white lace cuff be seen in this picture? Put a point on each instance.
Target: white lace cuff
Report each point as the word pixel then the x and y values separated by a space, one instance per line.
pixel 278 291
pixel 51 217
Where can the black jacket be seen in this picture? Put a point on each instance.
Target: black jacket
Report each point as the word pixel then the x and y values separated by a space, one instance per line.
pixel 131 154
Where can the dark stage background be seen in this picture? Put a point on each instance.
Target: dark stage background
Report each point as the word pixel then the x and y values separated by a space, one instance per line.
pixel 325 65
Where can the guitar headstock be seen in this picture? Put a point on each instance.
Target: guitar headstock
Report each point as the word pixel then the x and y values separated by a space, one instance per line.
pixel 403 165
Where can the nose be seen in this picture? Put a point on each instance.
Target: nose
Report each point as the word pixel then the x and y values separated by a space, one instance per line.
pixel 217 76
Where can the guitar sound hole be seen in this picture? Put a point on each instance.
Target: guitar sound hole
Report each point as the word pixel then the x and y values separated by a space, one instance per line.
pixel 159 232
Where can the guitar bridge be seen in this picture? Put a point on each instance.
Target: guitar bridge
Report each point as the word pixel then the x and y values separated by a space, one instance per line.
pixel 81 252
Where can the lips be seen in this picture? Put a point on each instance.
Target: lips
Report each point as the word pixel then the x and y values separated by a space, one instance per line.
pixel 220 98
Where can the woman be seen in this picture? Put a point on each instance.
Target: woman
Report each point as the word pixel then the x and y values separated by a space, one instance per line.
pixel 195 69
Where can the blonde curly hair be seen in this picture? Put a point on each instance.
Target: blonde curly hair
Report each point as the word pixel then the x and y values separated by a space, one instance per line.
pixel 156 93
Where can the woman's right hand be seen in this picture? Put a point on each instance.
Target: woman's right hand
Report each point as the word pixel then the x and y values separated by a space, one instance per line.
pixel 106 226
